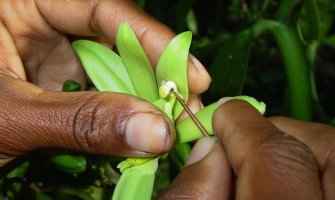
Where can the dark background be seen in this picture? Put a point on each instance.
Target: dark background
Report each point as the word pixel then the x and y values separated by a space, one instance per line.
pixel 218 20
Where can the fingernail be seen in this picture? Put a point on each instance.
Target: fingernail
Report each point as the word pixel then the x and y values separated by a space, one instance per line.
pixel 196 63
pixel 224 100
pixel 149 132
pixel 200 69
pixel 200 150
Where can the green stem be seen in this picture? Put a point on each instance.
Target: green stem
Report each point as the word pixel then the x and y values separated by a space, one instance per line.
pixel 188 131
pixel 311 52
pixel 313 20
pixel 297 71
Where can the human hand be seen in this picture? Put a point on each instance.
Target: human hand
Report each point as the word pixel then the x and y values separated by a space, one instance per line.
pixel 34 47
pixel 275 158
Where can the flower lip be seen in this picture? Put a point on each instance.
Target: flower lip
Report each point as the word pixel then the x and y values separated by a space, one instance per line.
pixel 167 88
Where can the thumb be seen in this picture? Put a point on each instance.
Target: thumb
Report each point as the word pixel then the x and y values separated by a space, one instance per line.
pixel 207 174
pixel 99 123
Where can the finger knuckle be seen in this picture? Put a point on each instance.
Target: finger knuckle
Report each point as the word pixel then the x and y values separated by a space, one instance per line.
pixel 286 154
pixel 89 123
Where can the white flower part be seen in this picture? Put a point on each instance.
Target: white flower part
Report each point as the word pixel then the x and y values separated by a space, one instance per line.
pixel 164 91
pixel 172 85
pixel 166 87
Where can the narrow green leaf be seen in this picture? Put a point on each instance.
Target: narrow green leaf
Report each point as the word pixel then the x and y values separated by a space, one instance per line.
pixel 230 65
pixel 191 21
pixel 137 181
pixel 172 66
pixel 129 163
pixel 288 11
pixel 71 86
pixel 182 9
pixel 137 63
pixel 104 67
pixel 65 192
pixel 309 21
pixel 162 177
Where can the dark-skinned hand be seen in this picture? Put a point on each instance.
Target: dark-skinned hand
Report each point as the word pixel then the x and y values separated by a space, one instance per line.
pixel 259 158
pixel 36 57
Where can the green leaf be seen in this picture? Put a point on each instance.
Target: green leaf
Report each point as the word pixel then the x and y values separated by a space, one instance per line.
pixel 229 68
pixel 137 63
pixel 104 67
pixel 133 162
pixel 288 11
pixel 160 103
pixel 71 86
pixel 182 9
pixel 162 177
pixel 330 41
pixel 309 21
pixel 327 17
pixel 172 66
pixel 137 179
pixel 66 192
pixel 191 21
pixel 19 170
pixel 69 163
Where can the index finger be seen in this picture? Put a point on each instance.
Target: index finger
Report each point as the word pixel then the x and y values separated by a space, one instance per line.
pixel 101 17
pixel 268 164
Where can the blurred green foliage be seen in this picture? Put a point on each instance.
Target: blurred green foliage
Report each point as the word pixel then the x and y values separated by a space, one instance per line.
pixel 259 67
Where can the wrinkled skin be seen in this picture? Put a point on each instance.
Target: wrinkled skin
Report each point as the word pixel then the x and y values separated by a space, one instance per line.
pixel 35 49
pixel 259 158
